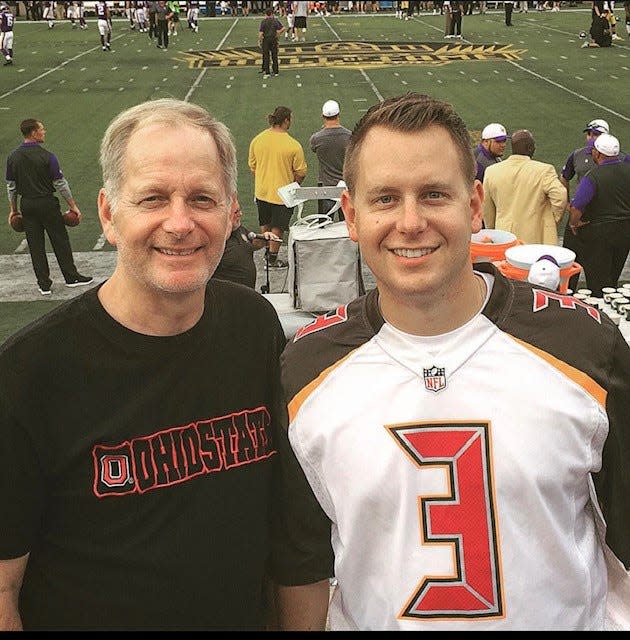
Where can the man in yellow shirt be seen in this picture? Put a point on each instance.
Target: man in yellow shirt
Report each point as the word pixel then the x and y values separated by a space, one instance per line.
pixel 276 159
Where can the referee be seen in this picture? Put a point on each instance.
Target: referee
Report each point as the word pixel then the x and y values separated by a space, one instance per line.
pixel 34 174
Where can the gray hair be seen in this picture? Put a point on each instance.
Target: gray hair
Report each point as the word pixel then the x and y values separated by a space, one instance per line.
pixel 165 111
pixel 410 113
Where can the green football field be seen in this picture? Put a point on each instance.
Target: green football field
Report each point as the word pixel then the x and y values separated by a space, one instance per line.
pixel 534 75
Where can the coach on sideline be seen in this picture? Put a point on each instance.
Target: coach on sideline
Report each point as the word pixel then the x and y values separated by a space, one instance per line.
pixel 34 174
pixel 600 215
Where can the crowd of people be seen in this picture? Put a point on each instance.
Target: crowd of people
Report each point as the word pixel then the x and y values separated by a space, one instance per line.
pixel 160 19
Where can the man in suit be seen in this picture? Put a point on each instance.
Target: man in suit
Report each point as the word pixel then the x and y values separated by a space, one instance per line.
pixel 524 196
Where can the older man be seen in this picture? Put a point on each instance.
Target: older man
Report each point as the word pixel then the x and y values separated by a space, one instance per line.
pixel 139 422
pixel 524 196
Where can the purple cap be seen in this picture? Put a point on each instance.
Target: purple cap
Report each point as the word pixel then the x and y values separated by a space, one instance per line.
pixel 550 258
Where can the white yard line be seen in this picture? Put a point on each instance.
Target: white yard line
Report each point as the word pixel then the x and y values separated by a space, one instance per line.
pixel 331 29
pixel 549 80
pixel 202 73
pixel 570 91
pixel 363 73
pixel 59 66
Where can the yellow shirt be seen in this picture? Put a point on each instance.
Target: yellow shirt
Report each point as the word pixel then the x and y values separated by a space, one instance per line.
pixel 275 157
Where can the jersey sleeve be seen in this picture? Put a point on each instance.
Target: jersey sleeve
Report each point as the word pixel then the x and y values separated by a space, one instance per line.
pixel 302 553
pixel 612 483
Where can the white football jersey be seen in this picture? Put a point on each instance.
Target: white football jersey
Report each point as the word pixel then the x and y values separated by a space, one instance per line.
pixel 460 474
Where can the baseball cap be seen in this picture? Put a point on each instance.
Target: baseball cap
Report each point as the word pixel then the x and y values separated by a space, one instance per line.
pixel 607 144
pixel 330 109
pixel 494 131
pixel 597 126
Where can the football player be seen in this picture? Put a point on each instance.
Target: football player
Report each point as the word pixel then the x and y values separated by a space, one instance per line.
pixel 6 34
pixel 104 22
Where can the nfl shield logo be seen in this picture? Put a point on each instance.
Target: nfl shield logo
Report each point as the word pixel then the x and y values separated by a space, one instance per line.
pixel 434 378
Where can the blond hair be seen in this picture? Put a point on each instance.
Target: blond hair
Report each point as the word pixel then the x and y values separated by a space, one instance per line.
pixel 164 111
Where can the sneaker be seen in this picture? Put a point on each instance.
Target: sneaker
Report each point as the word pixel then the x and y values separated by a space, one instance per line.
pixel 45 291
pixel 8 62
pixel 616 37
pixel 265 76
pixel 278 264
pixel 275 74
pixel 80 281
pixel 585 45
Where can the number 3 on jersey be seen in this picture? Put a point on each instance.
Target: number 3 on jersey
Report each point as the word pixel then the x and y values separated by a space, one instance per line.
pixel 463 518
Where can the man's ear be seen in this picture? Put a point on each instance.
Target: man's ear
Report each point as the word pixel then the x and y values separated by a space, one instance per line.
pixel 476 207
pixel 350 214
pixel 106 216
pixel 233 207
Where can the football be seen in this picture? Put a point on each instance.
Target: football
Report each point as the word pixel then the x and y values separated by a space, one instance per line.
pixel 71 218
pixel 16 222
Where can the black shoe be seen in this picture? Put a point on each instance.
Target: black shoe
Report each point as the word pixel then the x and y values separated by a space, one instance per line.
pixel 80 281
pixel 45 291
pixel 278 264
pixel 7 63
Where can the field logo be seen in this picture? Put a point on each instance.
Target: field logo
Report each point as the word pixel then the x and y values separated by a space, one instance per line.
pixel 353 55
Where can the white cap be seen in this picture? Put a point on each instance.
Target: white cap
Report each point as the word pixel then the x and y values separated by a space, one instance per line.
pixel 330 109
pixel 597 126
pixel 494 131
pixel 607 144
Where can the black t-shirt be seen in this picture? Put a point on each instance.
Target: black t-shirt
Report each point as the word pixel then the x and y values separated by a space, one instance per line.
pixel 269 27
pixel 237 263
pixel 138 471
